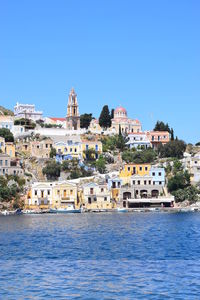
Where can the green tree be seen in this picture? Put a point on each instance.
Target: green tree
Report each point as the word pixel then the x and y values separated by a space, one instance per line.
pixel 52 152
pixel 101 164
pixel 139 157
pixel 105 118
pixel 52 170
pixel 6 134
pixel 179 181
pixel 161 126
pixel 85 120
pixel 174 148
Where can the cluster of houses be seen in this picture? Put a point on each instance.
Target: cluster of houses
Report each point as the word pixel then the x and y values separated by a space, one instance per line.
pixel 136 185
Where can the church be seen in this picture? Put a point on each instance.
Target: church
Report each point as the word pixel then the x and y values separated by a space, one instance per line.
pixel 122 121
pixel 73 116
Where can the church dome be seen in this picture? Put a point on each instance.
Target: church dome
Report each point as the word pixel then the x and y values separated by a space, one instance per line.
pixel 120 112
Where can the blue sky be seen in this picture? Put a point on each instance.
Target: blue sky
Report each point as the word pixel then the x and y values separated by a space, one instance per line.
pixel 144 55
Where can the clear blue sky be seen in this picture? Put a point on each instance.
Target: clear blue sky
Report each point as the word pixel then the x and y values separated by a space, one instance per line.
pixel 144 55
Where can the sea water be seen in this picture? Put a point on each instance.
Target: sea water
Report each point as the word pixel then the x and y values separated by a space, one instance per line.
pixel 100 256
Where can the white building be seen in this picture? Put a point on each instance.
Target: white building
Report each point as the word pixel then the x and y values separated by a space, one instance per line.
pixel 27 111
pixel 138 140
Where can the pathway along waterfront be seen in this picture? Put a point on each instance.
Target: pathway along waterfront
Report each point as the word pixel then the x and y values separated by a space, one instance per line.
pixel 100 256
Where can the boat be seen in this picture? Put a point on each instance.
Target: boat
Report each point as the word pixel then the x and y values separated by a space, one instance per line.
pixel 5 213
pixel 69 209
pixel 122 209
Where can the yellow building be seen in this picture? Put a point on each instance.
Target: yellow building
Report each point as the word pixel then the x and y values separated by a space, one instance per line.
pixel 134 169
pixel 94 145
pixel 67 148
pixel 64 195
pixel 45 195
pixel 10 149
pixel 96 196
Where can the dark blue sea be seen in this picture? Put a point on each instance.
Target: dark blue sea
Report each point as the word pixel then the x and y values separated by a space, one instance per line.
pixel 100 256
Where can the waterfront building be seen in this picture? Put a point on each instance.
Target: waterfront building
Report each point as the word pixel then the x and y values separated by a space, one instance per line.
pixel 73 116
pixel 67 147
pixel 27 111
pixel 41 148
pixel 40 195
pixel 122 121
pixel 96 196
pixel 114 185
pixel 145 191
pixel 94 144
pixel 158 137
pixel 45 195
pixel 138 140
pixel 9 167
pixel 64 195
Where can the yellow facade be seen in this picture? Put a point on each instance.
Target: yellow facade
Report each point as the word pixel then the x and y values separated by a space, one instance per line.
pixel 10 149
pixel 134 169
pixel 64 194
pixel 45 195
pixel 91 145
pixel 73 150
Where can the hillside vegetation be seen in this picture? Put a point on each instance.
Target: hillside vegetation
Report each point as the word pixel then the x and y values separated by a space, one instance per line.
pixel 6 112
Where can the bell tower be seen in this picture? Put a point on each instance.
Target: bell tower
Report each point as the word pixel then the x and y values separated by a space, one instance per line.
pixel 73 116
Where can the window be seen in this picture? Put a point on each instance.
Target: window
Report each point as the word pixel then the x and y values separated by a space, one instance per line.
pixel 95 199
pixel 133 182
pixel 154 183
pixel 146 168
pixel 48 192
pixel 6 162
pixel 153 174
pixel 105 198
pixel 159 174
pixel 1 162
pixel 70 149
pixel 58 192
pixel 71 192
pixel 102 190
pixel 46 145
pixel 35 192
pixel 149 182
pixel 89 200
pixel 75 150
pixel 160 182
pixel 129 169
pixel 152 137
pixel 140 168
pixel 138 182
pixel 145 182
pixel 91 191
pixel 87 147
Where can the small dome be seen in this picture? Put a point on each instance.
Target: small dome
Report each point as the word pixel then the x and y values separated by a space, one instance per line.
pixel 120 109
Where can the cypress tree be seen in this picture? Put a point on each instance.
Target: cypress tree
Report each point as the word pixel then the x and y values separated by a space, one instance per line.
pixel 105 119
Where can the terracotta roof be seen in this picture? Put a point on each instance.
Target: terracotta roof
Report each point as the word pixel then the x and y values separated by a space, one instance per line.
pixel 58 119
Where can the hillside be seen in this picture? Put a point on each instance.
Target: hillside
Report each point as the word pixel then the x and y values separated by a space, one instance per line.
pixel 6 112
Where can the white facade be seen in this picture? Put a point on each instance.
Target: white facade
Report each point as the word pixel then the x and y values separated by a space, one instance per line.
pixel 138 140
pixel 27 111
